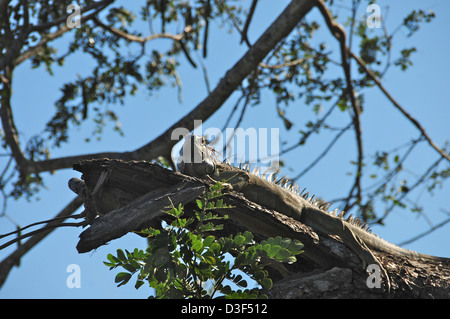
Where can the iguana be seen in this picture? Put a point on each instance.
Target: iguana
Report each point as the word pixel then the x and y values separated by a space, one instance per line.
pixel 198 159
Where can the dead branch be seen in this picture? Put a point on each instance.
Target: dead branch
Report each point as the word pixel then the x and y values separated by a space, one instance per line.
pixel 324 256
pixel 416 123
pixel 339 33
pixel 14 258
pixel 135 38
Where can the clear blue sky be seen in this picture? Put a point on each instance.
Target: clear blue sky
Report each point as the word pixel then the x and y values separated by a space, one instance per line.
pixel 423 90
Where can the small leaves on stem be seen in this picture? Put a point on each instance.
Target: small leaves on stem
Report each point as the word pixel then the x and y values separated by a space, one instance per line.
pixel 183 259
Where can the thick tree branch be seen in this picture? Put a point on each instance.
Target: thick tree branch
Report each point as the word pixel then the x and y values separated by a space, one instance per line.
pixel 9 128
pixel 138 215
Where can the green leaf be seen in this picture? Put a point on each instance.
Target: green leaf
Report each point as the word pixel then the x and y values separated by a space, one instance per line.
pixel 208 241
pixel 129 267
pixel 111 265
pixel 215 247
pixel 197 245
pixel 112 259
pixel 121 255
pixel 266 283
pixel 272 250
pixel 226 290
pixel 248 236
pixel 295 247
pixel 122 278
pixel 283 255
pixel 138 284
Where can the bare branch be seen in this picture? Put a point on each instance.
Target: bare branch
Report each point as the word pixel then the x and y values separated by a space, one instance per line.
pixel 9 128
pixel 432 229
pixel 13 52
pixel 95 5
pixel 419 181
pixel 38 47
pixel 339 33
pixel 135 38
pixel 325 151
pixel 247 22
pixel 52 36
pixel 286 64
pixel 38 223
pixel 14 259
pixel 38 231
pixel 399 107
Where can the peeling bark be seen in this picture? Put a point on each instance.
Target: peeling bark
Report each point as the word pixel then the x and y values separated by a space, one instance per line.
pixel 135 192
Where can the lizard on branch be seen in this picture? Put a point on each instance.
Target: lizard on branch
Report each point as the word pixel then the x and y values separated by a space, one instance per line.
pixel 197 159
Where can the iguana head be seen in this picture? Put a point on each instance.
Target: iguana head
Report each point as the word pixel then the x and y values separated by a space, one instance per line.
pixel 196 157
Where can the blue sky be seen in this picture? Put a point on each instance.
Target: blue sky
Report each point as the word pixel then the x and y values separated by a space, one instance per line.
pixel 422 90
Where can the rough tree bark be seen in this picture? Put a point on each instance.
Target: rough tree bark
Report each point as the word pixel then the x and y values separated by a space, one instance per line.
pixel 131 194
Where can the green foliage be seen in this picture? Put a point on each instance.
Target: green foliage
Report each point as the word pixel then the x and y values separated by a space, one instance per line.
pixel 404 61
pixel 369 48
pixel 415 18
pixel 117 73
pixel 27 186
pixel 183 259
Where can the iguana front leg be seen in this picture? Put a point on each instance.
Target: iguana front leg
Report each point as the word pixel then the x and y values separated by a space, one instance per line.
pixel 237 179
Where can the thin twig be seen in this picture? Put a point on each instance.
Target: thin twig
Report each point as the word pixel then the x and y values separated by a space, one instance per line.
pixel 14 258
pixel 247 22
pixel 233 20
pixel 399 107
pixel 42 222
pixel 43 229
pixel 419 181
pixel 286 64
pixel 339 33
pixel 325 151
pixel 307 134
pixel 409 241
pixel 135 38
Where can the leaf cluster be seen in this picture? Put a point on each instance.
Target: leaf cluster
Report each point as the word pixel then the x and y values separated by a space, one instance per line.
pixel 183 259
